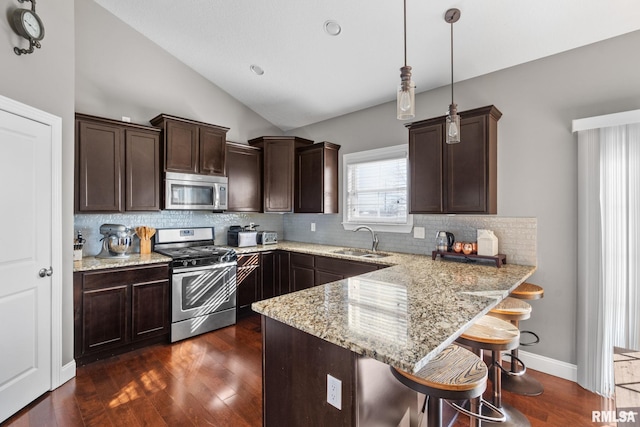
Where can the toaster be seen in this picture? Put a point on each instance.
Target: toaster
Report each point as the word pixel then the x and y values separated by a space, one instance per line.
pixel 240 238
pixel 267 237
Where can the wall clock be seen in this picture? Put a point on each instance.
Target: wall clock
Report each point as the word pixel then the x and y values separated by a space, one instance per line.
pixel 28 25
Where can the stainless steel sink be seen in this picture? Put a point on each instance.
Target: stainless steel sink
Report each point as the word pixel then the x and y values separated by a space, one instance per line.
pixel 360 253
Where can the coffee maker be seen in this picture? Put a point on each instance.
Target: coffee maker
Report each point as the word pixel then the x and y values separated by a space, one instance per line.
pixel 116 241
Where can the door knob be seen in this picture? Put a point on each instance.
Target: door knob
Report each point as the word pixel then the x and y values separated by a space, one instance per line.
pixel 45 272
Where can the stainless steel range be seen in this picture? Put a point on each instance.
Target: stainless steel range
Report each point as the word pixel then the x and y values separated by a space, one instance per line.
pixel 203 280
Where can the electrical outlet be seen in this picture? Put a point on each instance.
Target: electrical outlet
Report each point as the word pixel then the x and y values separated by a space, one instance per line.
pixel 334 392
pixel 126 119
pixel 418 232
pixel 313 226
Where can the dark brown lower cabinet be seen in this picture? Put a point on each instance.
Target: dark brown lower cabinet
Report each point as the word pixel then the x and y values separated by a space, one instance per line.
pixel 331 269
pixel 116 310
pixel 275 274
pixel 248 279
pixel 295 369
pixel 302 272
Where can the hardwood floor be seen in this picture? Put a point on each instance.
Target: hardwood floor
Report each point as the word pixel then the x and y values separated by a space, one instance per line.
pixel 215 379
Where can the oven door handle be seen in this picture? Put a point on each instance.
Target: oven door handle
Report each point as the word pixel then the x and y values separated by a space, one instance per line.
pixel 219 266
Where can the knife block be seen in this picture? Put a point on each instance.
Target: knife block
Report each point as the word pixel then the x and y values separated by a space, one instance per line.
pixel 145 246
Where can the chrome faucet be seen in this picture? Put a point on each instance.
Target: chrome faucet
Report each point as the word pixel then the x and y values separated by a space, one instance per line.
pixel 374 238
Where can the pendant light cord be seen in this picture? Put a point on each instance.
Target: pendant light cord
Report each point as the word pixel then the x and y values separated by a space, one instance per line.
pixel 451 62
pixel 405 33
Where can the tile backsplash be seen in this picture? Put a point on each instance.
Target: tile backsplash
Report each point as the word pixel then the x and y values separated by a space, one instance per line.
pixel 516 236
pixel 90 224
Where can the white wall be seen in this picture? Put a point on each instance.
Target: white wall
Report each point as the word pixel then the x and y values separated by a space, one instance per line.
pixel 537 165
pixel 44 79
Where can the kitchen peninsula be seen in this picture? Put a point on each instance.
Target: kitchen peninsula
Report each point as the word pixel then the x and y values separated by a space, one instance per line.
pixel 353 329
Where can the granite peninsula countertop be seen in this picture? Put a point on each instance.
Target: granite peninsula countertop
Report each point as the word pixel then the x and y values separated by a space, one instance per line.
pixel 403 315
pixel 92 263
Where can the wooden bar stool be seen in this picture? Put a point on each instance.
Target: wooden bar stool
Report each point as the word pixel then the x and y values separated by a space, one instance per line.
pixel 528 291
pixel 454 374
pixel 495 335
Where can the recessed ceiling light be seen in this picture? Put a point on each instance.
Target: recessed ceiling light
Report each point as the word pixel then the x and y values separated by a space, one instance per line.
pixel 256 69
pixel 332 28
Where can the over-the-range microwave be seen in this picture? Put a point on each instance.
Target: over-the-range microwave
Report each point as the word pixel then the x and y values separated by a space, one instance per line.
pixel 195 192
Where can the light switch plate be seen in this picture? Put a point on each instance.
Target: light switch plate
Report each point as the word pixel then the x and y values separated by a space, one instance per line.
pixel 418 232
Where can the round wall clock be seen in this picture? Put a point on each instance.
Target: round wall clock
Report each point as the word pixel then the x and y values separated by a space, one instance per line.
pixel 28 25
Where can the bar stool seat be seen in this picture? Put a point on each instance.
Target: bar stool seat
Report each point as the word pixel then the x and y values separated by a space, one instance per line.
pixel 454 374
pixel 495 335
pixel 528 291
pixel 511 309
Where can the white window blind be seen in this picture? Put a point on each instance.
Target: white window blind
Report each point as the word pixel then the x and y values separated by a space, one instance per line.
pixel 376 187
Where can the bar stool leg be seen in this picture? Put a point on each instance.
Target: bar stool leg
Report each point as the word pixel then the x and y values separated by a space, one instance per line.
pixel 524 385
pixel 514 417
pixel 434 411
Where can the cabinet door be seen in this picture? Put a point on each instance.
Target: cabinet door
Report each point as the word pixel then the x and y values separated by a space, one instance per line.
pixel 270 273
pixel 181 153
pixel 309 191
pixel 467 168
pixel 302 278
pixel 99 167
pixel 105 314
pixel 425 169
pixel 244 170
pixel 248 279
pixel 278 176
pixel 142 171
pixel 212 151
pixel 322 277
pixel 284 271
pixel 150 309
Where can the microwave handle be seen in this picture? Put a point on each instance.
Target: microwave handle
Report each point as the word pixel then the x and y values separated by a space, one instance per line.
pixel 217 195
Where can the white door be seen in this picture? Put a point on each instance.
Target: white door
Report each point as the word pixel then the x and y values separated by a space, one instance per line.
pixel 25 250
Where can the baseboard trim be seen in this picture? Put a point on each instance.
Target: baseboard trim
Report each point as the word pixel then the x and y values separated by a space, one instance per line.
pixel 67 372
pixel 547 365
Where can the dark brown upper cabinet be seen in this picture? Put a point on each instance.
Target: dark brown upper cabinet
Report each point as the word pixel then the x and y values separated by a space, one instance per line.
pixel 191 146
pixel 458 178
pixel 117 166
pixel 244 170
pixel 316 187
pixel 279 157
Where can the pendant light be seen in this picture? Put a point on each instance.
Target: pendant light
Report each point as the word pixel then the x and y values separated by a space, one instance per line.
pixel 453 119
pixel 406 90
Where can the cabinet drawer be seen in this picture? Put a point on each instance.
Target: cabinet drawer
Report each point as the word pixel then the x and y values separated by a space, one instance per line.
pixel 302 260
pixel 343 267
pixel 248 260
pixel 120 277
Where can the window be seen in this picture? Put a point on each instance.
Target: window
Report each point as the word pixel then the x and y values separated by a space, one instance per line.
pixel 375 190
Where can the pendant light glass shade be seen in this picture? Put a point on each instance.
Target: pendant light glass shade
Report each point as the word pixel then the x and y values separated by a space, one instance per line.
pixel 406 101
pixel 453 119
pixel 453 125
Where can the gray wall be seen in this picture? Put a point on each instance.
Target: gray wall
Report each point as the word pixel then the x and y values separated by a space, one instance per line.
pixel 45 80
pixel 119 73
pixel 537 155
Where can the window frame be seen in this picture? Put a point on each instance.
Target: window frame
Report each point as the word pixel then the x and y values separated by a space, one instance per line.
pixel 385 153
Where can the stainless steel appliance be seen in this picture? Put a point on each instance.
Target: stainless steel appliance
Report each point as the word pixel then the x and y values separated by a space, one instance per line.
pixel 195 192
pixel 116 241
pixel 241 237
pixel 267 237
pixel 203 280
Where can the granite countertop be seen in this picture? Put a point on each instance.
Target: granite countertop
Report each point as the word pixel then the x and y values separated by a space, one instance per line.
pixel 403 315
pixel 93 263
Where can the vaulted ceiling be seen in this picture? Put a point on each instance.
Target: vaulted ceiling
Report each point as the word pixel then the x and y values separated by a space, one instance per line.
pixel 310 75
